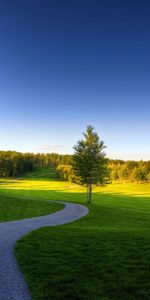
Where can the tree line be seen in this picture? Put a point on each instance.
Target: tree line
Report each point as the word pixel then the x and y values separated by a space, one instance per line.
pixel 138 171
pixel 118 170
pixel 14 164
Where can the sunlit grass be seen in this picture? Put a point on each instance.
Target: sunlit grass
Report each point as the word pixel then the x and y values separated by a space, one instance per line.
pixel 46 184
pixel 103 256
pixel 15 203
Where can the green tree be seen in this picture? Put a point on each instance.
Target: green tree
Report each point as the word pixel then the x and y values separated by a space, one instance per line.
pixel 89 162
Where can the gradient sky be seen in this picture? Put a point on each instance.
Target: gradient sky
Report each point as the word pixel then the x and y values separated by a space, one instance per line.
pixel 65 64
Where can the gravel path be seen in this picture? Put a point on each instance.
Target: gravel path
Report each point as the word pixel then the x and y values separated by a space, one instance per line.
pixel 12 284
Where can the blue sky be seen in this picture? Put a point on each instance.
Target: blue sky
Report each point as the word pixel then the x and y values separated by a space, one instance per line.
pixel 67 64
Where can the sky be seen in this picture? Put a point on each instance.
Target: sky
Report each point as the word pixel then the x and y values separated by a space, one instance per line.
pixel 68 64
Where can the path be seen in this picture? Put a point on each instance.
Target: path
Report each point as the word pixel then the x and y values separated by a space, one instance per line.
pixel 12 284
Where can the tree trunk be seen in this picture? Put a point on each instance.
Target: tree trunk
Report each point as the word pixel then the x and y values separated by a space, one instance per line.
pixel 87 199
pixel 89 190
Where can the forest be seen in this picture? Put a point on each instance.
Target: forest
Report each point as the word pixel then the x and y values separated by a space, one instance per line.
pixel 13 164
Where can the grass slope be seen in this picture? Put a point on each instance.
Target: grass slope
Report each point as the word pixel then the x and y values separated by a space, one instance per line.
pixel 14 207
pixel 104 256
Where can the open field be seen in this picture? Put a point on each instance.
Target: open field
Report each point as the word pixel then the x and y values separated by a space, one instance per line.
pixel 14 207
pixel 104 256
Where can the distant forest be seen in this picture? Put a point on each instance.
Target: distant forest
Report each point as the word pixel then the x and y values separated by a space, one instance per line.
pixel 13 164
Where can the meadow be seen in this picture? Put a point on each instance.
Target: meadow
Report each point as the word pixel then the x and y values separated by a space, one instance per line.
pixel 103 256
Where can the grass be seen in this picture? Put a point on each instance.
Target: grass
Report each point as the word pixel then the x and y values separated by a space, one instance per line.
pixel 15 206
pixel 78 263
pixel 104 256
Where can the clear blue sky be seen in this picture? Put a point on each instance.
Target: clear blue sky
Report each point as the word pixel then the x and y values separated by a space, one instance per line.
pixel 65 64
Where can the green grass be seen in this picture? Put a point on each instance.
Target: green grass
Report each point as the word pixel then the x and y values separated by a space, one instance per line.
pixel 81 263
pixel 104 256
pixel 15 206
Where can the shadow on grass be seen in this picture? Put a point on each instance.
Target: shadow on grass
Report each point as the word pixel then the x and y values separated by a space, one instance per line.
pixel 113 211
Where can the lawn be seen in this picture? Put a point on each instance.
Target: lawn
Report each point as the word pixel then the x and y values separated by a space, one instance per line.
pixel 15 206
pixel 103 256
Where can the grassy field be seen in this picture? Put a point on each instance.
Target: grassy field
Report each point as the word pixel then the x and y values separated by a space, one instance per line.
pixel 104 256
pixel 16 207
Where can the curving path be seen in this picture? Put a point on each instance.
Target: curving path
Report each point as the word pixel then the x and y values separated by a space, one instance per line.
pixel 12 284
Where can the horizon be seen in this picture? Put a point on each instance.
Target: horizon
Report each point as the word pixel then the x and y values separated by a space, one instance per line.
pixel 66 64
pixel 65 153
